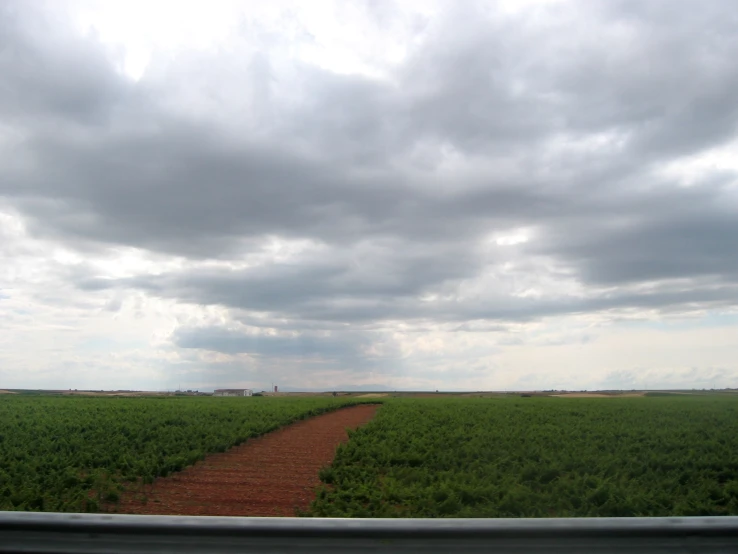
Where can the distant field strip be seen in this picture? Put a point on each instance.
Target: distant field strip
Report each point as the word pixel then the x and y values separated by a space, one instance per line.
pixel 539 457
pixel 74 454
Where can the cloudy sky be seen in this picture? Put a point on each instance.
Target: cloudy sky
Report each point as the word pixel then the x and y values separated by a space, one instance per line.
pixel 407 194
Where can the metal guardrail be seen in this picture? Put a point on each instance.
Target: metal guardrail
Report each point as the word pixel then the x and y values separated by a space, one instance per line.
pixel 87 533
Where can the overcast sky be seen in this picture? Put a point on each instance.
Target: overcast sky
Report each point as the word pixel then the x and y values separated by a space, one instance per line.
pixel 457 195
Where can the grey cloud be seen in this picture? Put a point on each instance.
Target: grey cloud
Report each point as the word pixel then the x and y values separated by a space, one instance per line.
pixel 657 235
pixel 48 74
pixel 375 281
pixel 662 249
pixel 356 165
pixel 349 351
pixel 656 70
pixel 688 378
pixel 233 342
pixel 296 297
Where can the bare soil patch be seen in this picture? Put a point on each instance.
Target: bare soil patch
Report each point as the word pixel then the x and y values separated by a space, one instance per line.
pixel 2 391
pixel 273 475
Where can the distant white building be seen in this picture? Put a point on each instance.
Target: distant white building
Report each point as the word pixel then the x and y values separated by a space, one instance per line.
pixel 233 392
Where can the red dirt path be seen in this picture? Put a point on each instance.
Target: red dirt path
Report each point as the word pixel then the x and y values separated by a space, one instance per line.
pixel 272 475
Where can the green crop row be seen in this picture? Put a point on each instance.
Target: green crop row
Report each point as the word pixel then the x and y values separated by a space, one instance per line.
pixel 538 457
pixel 75 453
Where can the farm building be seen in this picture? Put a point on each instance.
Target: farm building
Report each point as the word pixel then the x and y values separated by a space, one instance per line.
pixel 233 392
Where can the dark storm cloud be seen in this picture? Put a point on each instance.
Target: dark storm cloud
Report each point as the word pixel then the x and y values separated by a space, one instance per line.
pixel 556 121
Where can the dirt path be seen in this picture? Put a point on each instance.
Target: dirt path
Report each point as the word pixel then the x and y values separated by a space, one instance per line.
pixel 267 476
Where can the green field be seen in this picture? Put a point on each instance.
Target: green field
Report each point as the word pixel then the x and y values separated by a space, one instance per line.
pixel 440 457
pixel 539 457
pixel 72 454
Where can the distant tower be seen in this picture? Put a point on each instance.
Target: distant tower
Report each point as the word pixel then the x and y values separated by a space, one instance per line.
pixel 276 388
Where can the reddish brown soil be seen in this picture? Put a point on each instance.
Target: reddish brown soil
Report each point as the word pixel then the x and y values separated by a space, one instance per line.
pixel 273 475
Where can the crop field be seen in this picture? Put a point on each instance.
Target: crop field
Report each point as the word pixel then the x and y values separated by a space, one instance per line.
pixel 73 454
pixel 418 457
pixel 539 457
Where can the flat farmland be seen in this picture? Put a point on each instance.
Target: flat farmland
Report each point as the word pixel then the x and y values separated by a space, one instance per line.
pixel 413 457
pixel 273 475
pixel 539 457
pixel 80 454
